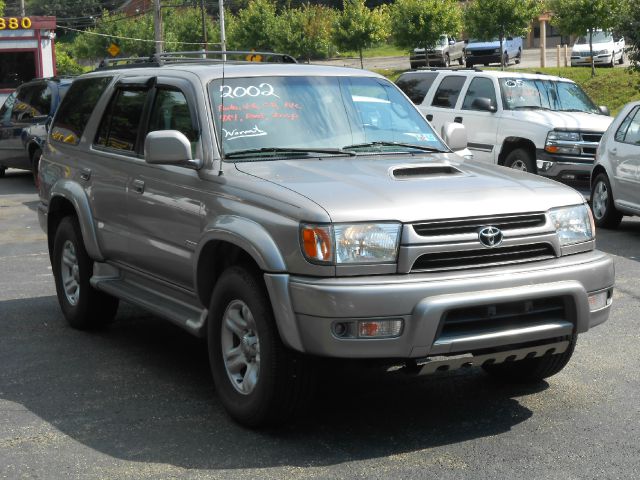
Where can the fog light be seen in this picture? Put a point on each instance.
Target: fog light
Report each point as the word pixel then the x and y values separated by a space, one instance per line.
pixel 598 301
pixel 379 328
pixel 543 165
pixel 340 329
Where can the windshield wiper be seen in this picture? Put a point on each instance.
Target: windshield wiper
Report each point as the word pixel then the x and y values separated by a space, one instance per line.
pixel 527 107
pixel 287 151
pixel 424 148
pixel 574 110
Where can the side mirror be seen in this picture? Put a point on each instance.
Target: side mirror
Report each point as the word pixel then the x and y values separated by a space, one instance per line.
pixel 466 41
pixel 484 104
pixel 604 110
pixel 451 42
pixel 40 118
pixel 509 38
pixel 455 135
pixel 169 147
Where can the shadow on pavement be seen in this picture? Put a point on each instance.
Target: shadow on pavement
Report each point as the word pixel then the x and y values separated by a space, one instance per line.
pixel 141 391
pixel 624 241
pixel 17 182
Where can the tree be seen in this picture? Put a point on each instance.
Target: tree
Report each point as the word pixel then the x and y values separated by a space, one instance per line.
pixel 486 19
pixel 419 23
pixel 578 17
pixel 1 7
pixel 358 27
pixel 305 32
pixel 629 26
pixel 253 27
pixel 65 9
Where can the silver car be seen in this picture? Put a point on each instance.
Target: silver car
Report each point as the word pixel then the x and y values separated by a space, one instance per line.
pixel 615 179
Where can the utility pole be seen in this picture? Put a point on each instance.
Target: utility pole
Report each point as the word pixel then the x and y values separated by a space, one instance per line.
pixel 22 11
pixel 157 26
pixel 223 38
pixel 204 26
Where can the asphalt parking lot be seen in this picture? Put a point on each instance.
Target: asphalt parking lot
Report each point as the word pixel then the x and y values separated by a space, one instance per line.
pixel 136 400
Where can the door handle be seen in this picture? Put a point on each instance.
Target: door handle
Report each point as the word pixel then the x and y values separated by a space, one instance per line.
pixel 85 174
pixel 429 116
pixel 138 186
pixel 614 150
pixel 458 120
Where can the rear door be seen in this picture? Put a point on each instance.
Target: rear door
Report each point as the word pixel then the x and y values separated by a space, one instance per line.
pixel 443 98
pixel 624 154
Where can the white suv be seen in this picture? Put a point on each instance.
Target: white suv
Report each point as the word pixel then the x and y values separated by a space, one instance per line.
pixel 537 123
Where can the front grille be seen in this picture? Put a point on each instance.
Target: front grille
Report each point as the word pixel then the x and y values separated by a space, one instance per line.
pixel 502 316
pixel 473 224
pixel 591 137
pixel 484 257
pixel 589 150
pixel 481 53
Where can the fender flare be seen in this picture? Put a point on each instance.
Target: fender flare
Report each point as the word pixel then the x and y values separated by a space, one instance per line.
pixel 73 193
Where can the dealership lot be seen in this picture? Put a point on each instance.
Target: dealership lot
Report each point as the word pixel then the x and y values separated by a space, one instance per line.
pixel 137 400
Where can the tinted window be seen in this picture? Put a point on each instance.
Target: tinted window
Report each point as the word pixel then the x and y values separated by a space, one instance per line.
pixel 633 132
pixel 7 109
pixel 31 101
pixel 624 126
pixel 479 88
pixel 119 125
pixel 447 94
pixel 416 85
pixel 171 112
pixel 16 68
pixel 76 108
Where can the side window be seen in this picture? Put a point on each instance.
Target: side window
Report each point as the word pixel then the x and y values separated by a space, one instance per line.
pixel 416 85
pixel 171 112
pixel 75 109
pixel 624 126
pixel 479 88
pixel 447 94
pixel 40 101
pixel 21 109
pixel 119 125
pixel 633 132
pixel 7 109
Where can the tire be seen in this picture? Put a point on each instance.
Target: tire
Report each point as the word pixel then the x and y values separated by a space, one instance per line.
pixel 462 60
pixel 532 370
pixel 83 306
pixel 468 64
pixel 259 381
pixel 519 56
pixel 447 61
pixel 520 159
pixel 2 170
pixel 621 60
pixel 506 59
pixel 604 211
pixel 35 166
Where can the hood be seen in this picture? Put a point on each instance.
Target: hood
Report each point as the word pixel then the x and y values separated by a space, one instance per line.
pixel 431 187
pixel 576 121
pixel 584 47
pixel 483 45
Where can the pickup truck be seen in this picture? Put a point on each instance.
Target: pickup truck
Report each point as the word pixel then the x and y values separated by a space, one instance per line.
pixel 484 52
pixel 608 49
pixel 446 50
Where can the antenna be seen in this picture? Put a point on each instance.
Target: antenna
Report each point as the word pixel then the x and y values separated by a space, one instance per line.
pixel 220 147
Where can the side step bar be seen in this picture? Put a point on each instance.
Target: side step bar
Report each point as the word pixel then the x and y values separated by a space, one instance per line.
pixel 432 365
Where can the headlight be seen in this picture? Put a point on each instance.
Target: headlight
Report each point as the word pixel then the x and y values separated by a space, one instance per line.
pixel 497 50
pixel 573 224
pixel 562 142
pixel 350 243
pixel 603 52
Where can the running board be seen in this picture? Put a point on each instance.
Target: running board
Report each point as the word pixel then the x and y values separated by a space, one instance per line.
pixel 443 364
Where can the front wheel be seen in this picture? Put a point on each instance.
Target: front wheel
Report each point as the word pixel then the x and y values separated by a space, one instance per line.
pixel 35 166
pixel 259 381
pixel 461 60
pixel 519 56
pixel 621 60
pixel 83 306
pixel 447 60
pixel 520 159
pixel 604 211
pixel 532 370
pixel 2 170
pixel 506 59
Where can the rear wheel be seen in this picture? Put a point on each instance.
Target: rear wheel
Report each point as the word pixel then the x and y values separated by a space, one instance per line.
pixel 532 370
pixel 604 211
pixel 2 170
pixel 461 60
pixel 259 381
pixel 621 60
pixel 518 56
pixel 520 159
pixel 506 59
pixel 447 60
pixel 35 166
pixel 83 306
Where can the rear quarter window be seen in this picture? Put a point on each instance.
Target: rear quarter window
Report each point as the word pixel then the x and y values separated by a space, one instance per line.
pixel 416 85
pixel 75 109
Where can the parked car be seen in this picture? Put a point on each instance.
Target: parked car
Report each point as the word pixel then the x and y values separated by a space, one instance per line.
pixel 289 213
pixel 485 52
pixel 446 51
pixel 24 119
pixel 608 49
pixel 615 179
pixel 537 123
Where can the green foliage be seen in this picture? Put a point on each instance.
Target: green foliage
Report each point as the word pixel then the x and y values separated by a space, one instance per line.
pixel 305 32
pixel 64 8
pixel 485 19
pixel 358 27
pixel 254 27
pixel 1 7
pixel 419 23
pixel 629 26
pixel 65 64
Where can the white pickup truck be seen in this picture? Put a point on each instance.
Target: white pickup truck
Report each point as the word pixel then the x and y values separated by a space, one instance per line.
pixel 537 123
pixel 484 52
pixel 446 51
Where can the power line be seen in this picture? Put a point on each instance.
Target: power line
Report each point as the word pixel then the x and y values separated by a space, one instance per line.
pixel 117 37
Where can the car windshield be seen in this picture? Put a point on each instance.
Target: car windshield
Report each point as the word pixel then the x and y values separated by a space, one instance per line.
pixel 527 93
pixel 443 40
pixel 291 115
pixel 598 37
pixel 480 40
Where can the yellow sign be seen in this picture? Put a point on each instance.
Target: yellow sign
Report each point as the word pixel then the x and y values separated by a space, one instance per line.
pixel 113 50
pixel 14 23
pixel 253 58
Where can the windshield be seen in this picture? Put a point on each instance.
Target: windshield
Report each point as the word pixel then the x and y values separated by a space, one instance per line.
pixel 479 40
pixel 524 93
pixel 306 113
pixel 443 40
pixel 598 37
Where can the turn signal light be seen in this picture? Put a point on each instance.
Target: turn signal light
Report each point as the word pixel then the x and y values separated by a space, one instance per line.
pixel 316 243
pixel 379 328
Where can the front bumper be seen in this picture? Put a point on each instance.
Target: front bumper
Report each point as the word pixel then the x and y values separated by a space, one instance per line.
pixel 482 59
pixel 574 171
pixel 586 61
pixel 307 308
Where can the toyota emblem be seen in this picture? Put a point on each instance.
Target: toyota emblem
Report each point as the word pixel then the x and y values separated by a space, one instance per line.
pixel 490 237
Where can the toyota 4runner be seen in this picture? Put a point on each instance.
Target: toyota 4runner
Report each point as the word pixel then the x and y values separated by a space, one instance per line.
pixel 288 213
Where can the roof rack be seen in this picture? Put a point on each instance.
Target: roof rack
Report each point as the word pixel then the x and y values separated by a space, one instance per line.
pixel 436 69
pixel 196 56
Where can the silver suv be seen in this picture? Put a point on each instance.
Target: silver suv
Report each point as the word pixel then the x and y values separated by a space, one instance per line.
pixel 288 213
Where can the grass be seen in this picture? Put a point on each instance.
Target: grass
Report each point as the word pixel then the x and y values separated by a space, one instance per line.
pixel 613 87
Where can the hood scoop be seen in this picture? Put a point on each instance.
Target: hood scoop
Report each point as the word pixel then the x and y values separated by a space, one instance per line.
pixel 407 172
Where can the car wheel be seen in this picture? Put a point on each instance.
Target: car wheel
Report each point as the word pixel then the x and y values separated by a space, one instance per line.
pixel 462 60
pixel 532 370
pixel 35 166
pixel 604 211
pixel 414 66
pixel 259 381
pixel 468 64
pixel 447 60
pixel 520 159
pixel 518 56
pixel 83 306
pixel 506 59
pixel 2 170
pixel 621 60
